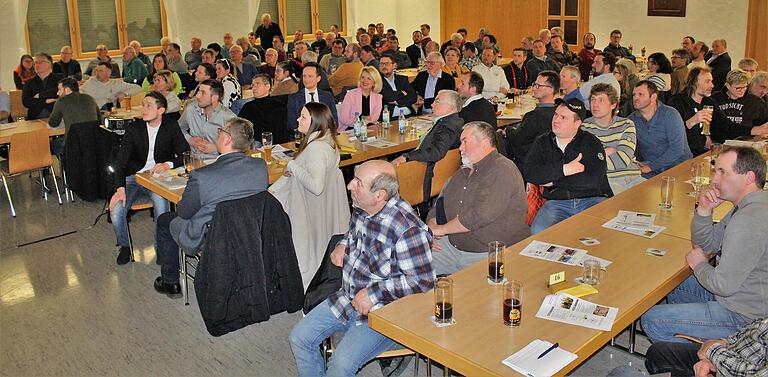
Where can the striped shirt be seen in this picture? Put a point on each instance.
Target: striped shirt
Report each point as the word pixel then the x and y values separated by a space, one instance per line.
pixel 621 134
pixel 388 253
pixel 745 354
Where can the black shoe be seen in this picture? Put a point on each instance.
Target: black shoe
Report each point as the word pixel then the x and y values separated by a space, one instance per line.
pixel 172 290
pixel 395 366
pixel 124 256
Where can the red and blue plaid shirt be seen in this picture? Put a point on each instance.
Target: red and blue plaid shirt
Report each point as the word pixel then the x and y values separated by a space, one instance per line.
pixel 388 253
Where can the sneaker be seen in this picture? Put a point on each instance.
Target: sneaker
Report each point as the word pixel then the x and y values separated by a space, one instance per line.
pixel 124 256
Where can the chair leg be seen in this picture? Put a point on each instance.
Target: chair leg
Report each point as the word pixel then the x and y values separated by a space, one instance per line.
pixel 184 281
pixel 416 365
pixel 8 193
pixel 130 237
pixel 68 194
pixel 55 185
pixel 429 367
pixel 42 183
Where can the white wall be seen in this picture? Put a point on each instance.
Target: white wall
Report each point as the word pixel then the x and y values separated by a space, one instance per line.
pixel 705 20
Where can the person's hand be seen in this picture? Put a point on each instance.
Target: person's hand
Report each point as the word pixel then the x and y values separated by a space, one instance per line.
pixel 573 167
pixel 708 143
pixel 206 146
pixel 437 230
pixel 644 168
pixel 701 116
pixel 337 255
pixel 704 368
pixel 398 161
pixel 159 168
pixel 702 352
pixel 760 130
pixel 514 91
pixel 287 173
pixel 50 100
pixel 709 199
pixel 503 90
pixel 362 303
pixel 695 257
pixel 119 196
pixel 610 150
pixel 419 100
pixel 404 92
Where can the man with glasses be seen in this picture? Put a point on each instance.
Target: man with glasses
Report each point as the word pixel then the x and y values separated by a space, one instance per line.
pixel 615 47
pixel 680 60
pixel 397 93
pixel 384 256
pixel 334 60
pixel 203 118
pixel 428 83
pixel 39 93
pixel 233 175
pixel 140 55
pixel 745 115
pixel 134 70
pixel 265 112
pixel 102 55
pixel 66 65
pixel 602 69
pixel 520 138
pixel 496 85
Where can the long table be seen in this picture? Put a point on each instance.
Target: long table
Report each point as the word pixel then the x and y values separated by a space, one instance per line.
pixel 478 342
pixel 6 130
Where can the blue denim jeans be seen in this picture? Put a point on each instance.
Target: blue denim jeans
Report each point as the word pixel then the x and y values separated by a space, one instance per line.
pixel 133 193
pixel 555 211
pixel 691 310
pixel 359 345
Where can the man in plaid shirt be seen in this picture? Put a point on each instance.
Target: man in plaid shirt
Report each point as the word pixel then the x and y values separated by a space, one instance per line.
pixel 384 256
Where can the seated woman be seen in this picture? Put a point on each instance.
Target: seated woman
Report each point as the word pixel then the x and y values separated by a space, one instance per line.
pixel 285 83
pixel 624 72
pixel 661 74
pixel 24 71
pixel 365 100
pixel 159 63
pixel 312 189
pixel 737 113
pixel 225 74
pixel 452 67
pixel 163 83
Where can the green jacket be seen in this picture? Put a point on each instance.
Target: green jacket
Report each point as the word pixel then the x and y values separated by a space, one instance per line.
pixel 134 71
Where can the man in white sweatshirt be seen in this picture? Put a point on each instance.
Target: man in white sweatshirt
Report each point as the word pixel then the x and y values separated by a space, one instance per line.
pixel 104 89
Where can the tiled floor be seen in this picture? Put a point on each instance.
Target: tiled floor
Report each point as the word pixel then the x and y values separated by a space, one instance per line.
pixel 66 309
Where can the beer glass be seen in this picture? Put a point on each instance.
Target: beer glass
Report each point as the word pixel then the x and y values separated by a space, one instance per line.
pixel 444 300
pixel 667 190
pixel 496 261
pixel 513 303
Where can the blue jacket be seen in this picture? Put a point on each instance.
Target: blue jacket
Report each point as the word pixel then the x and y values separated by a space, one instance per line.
pixel 245 76
pixel 296 103
pixel 661 141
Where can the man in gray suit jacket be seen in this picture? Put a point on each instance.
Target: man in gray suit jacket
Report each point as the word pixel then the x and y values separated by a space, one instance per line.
pixel 232 176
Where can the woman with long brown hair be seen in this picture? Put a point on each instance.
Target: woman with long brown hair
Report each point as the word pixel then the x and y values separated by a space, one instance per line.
pixel 312 189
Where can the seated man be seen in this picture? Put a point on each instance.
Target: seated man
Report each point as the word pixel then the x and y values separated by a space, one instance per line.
pixel 266 112
pixel 475 107
pixel 430 82
pixel 102 56
pixel 516 72
pixel 385 235
pixel 716 301
pixel 66 65
pixel 520 137
pixel 393 49
pixel 106 90
pixel 661 141
pixel 618 136
pixel 469 58
pixel 496 85
pixel 569 82
pixel 39 93
pixel 539 62
pixel 134 70
pixel 335 58
pixel 232 176
pixel 154 144
pixel 483 201
pixel 202 118
pixel 176 62
pixel 415 51
pixel 560 54
pixel 245 71
pixel 758 86
pixel 602 71
pixel 573 186
pixel 310 77
pixel 690 104
pixel 348 73
pixel 72 107
pixel 741 354
pixel 396 92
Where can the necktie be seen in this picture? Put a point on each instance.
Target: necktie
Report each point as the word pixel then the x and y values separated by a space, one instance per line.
pixel 311 96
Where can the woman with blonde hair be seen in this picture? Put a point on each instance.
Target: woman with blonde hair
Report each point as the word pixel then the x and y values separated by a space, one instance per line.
pixel 163 82
pixel 624 72
pixel 738 113
pixel 452 67
pixel 159 63
pixel 312 189
pixel 365 100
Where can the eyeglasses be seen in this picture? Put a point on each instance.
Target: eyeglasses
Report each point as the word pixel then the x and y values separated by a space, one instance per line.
pixel 739 87
pixel 225 131
pixel 537 85
pixel 433 62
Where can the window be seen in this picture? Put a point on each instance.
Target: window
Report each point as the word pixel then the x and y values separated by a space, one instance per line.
pixel 83 24
pixel 571 15
pixel 304 15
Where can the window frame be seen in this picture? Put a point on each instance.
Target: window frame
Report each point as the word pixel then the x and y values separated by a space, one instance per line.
pixel 315 17
pixel 581 18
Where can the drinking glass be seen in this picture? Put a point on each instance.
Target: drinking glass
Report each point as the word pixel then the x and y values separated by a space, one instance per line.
pixel 444 300
pixel 188 162
pixel 705 124
pixel 266 141
pixel 667 190
pixel 699 175
pixel 590 272
pixel 513 303
pixel 496 261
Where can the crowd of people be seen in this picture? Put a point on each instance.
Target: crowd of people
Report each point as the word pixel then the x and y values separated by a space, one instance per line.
pixel 599 127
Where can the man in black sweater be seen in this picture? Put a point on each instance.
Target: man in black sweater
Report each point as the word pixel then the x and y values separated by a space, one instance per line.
pixel 475 107
pixel 519 137
pixel 690 104
pixel 573 186
pixel 153 144
pixel 39 93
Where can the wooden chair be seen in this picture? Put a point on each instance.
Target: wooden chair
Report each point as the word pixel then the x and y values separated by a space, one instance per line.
pixel 29 152
pixel 17 107
pixel 135 207
pixel 411 176
pixel 444 170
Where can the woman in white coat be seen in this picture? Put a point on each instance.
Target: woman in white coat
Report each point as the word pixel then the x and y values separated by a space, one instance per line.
pixel 312 189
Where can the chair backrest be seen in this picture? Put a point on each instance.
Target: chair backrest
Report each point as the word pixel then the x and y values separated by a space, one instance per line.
pixel 17 107
pixel 411 177
pixel 29 151
pixel 444 170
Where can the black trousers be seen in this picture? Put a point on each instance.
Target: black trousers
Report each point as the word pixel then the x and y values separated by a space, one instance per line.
pixel 167 248
pixel 669 357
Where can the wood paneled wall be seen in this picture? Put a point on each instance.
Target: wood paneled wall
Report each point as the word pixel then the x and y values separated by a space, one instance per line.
pixel 757 33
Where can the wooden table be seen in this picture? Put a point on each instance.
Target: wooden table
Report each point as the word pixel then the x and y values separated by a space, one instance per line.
pixel 6 130
pixel 478 342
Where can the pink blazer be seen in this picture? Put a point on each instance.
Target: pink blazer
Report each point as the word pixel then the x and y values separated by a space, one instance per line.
pixel 353 103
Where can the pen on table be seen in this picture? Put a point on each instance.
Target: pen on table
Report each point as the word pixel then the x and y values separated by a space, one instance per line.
pixel 548 350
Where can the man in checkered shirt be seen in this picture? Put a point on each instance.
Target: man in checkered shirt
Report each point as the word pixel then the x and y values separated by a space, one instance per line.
pixel 385 255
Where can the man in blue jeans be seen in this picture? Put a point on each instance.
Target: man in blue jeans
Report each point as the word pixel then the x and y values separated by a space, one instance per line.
pixel 719 300
pixel 384 256
pixel 570 164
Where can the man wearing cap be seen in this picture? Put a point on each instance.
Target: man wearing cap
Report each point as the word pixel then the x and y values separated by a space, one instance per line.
pixel 575 185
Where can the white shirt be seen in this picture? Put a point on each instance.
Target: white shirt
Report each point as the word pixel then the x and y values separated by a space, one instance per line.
pixel 152 135
pixel 308 98
pixel 494 79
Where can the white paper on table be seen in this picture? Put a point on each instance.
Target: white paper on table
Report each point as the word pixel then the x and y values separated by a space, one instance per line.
pixel 170 179
pixel 281 157
pixel 647 231
pixel 7 126
pixel 527 362
pixel 370 138
pixel 554 253
pixel 632 218
pixel 279 148
pixel 380 143
pixel 575 311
